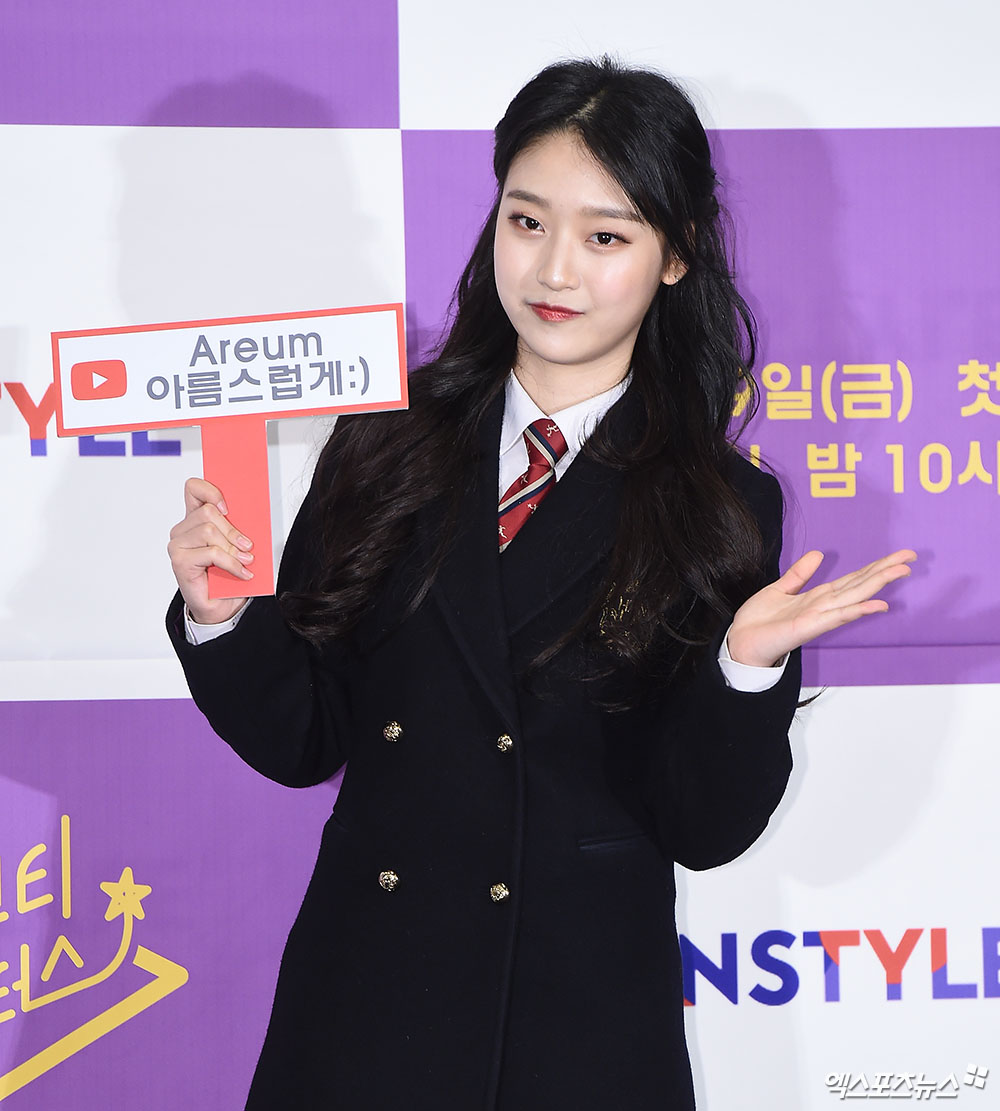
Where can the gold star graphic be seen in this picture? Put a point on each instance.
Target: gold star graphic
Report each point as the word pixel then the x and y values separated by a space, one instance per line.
pixel 126 896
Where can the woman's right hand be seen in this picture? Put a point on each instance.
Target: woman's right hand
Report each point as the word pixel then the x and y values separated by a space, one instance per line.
pixel 204 539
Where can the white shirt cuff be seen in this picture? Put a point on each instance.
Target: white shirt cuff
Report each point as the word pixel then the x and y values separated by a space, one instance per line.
pixel 745 677
pixel 200 634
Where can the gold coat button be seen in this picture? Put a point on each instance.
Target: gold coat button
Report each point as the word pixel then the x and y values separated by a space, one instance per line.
pixel 505 742
pixel 499 892
pixel 392 731
pixel 388 880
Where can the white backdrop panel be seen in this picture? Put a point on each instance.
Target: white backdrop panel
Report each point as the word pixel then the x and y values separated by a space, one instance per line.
pixel 890 823
pixel 114 226
pixel 891 63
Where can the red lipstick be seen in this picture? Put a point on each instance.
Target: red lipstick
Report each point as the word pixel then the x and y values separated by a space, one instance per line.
pixel 552 312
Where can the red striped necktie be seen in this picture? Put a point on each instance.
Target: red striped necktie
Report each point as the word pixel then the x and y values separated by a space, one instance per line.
pixel 546 446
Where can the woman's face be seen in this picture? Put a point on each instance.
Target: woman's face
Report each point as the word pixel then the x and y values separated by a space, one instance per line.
pixel 576 267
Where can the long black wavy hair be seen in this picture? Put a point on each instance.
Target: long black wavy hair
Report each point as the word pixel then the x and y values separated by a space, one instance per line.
pixel 687 550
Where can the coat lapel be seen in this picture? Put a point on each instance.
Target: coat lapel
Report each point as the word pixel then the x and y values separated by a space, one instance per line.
pixel 573 529
pixel 467 587
pixel 486 597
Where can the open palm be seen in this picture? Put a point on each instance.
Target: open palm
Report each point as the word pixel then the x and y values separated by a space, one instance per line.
pixel 784 616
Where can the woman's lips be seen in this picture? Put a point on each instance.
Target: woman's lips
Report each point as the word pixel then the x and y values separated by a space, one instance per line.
pixel 552 312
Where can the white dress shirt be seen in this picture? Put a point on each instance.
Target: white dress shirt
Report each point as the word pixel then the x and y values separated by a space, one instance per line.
pixel 576 424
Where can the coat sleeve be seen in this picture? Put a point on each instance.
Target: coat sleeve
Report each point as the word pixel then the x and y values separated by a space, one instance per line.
pixel 281 705
pixel 722 759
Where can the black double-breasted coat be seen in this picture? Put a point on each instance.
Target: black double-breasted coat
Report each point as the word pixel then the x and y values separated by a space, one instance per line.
pixel 490 923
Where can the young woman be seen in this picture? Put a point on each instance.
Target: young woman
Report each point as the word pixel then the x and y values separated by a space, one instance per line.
pixel 544 705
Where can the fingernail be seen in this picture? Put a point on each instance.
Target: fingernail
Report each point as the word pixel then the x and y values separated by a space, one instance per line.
pixel 247 574
pixel 223 508
pixel 244 542
pixel 244 557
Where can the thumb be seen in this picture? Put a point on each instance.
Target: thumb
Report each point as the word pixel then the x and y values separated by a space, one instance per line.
pixel 800 572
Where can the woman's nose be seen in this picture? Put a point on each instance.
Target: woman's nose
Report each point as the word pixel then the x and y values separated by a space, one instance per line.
pixel 556 267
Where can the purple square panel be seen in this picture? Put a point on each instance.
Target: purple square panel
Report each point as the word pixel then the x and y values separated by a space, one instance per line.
pixel 253 63
pixel 448 190
pixel 134 841
pixel 873 259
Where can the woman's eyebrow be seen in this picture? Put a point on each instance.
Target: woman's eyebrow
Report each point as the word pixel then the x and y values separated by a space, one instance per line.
pixel 605 213
pixel 613 214
pixel 528 198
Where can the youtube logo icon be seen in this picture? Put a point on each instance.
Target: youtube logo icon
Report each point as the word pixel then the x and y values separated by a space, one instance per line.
pixel 99 380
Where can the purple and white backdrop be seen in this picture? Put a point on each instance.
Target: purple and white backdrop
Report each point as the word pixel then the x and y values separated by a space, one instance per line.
pixel 220 159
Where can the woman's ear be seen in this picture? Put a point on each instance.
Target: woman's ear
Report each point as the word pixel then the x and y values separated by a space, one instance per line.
pixel 675 269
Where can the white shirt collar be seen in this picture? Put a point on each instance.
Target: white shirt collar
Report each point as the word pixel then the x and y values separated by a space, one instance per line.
pixel 576 422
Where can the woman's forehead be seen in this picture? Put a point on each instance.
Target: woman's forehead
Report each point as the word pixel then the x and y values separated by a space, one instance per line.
pixel 559 170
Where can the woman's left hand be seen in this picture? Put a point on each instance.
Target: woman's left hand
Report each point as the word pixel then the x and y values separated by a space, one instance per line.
pixel 782 617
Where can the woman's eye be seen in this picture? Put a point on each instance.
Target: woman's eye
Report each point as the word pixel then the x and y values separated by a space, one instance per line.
pixel 606 238
pixel 529 223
